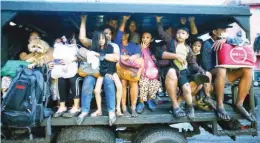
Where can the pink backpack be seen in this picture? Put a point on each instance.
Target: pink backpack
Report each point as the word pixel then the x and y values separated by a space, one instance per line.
pixel 150 70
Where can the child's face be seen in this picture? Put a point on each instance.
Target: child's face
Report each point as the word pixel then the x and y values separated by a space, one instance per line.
pixel 181 35
pixel 132 26
pixel 108 34
pixel 102 40
pixel 125 36
pixel 196 47
pixel 113 23
pixel 147 38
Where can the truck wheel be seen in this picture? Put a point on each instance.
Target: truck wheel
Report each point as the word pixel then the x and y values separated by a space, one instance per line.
pixel 86 135
pixel 161 135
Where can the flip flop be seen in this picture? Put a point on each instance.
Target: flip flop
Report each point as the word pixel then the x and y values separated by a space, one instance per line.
pixel 59 114
pixel 119 114
pixel 134 113
pixel 222 114
pixel 201 78
pixel 126 114
pixel 245 114
pixel 95 114
pixel 210 102
pixel 190 111
pixel 71 114
pixel 80 119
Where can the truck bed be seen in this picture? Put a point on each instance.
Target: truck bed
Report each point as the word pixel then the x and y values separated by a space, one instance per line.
pixel 161 115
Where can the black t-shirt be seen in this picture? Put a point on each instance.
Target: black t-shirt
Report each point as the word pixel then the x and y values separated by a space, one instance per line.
pixel 107 66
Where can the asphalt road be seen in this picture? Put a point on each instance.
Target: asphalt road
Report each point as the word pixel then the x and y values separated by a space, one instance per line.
pixel 206 137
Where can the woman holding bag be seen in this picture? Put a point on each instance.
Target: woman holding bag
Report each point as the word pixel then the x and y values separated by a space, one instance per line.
pixel 148 83
pixel 129 68
pixel 64 70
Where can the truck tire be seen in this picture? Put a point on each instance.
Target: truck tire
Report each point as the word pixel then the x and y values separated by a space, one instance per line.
pixel 161 135
pixel 86 135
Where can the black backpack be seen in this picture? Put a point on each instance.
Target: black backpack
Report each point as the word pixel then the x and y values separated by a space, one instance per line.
pixel 23 105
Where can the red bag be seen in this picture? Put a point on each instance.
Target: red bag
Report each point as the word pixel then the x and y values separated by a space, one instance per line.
pixel 231 56
pixel 150 70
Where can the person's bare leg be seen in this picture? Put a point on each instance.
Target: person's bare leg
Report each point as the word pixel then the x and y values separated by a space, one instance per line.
pixel 171 82
pixel 62 107
pixel 207 89
pixel 124 98
pixel 207 86
pixel 118 94
pixel 219 85
pixel 245 75
pixel 186 89
pixel 133 96
pixel 194 90
pixel 97 92
pixel 76 103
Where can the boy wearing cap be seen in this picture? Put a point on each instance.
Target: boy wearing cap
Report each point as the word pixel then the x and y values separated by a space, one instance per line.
pixel 182 56
pixel 221 75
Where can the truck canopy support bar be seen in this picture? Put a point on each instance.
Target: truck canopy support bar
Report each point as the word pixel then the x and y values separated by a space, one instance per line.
pixel 6 16
pixel 70 6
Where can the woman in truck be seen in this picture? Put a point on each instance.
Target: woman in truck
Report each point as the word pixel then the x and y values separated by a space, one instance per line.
pixel 129 52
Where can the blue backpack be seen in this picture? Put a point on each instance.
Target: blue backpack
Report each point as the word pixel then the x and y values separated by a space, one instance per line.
pixel 23 105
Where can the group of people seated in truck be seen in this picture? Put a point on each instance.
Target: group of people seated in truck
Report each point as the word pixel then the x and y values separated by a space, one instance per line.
pixel 116 58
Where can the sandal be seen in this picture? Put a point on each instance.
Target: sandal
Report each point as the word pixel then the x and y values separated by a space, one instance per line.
pixel 59 113
pixel 222 114
pixel 126 114
pixel 81 118
pixel 95 114
pixel 190 111
pixel 210 102
pixel 112 118
pixel 178 112
pixel 73 112
pixel 119 114
pixel 134 113
pixel 244 113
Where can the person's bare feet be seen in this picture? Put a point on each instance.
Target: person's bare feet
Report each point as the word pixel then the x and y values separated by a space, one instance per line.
pixel 96 113
pixel 60 112
pixel 133 112
pixel 119 113
pixel 126 113
pixel 243 112
pixel 210 102
pixel 190 111
pixel 222 114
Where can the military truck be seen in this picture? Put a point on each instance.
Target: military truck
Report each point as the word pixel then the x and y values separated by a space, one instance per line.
pixel 52 17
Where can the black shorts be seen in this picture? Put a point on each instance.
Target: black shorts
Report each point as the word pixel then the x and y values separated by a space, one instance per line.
pixel 186 76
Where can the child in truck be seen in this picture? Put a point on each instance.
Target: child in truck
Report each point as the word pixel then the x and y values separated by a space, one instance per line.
pixel 148 83
pixel 182 58
pixel 207 88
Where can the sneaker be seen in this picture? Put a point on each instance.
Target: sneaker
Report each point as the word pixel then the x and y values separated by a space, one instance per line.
pixel 151 105
pixel 140 108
